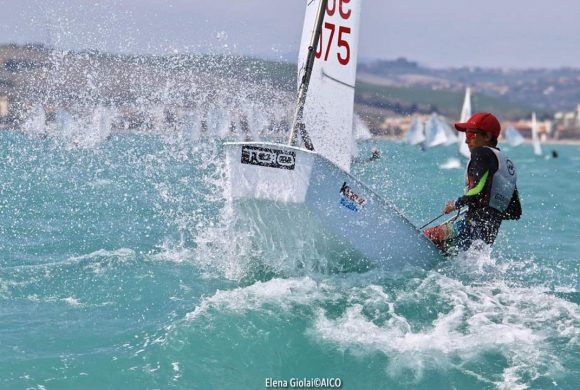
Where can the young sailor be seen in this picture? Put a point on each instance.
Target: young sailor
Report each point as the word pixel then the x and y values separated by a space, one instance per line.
pixel 491 193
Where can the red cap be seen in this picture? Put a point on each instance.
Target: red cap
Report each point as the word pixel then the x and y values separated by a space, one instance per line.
pixel 483 121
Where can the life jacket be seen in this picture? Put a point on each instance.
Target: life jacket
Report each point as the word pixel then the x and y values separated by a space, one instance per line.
pixel 503 183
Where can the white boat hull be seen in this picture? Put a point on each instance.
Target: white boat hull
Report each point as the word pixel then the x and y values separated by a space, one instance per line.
pixel 338 201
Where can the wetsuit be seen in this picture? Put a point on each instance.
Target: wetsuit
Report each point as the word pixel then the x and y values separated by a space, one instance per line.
pixel 491 197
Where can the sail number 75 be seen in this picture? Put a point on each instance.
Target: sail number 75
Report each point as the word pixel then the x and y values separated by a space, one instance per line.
pixel 343 53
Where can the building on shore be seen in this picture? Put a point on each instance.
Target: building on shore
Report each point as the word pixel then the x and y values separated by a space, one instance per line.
pixel 524 127
pixel 397 126
pixel 567 124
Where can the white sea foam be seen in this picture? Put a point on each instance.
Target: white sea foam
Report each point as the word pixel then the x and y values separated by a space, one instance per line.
pixel 122 254
pixel 472 321
pixel 94 263
pixel 491 319
pixel 452 163
pixel 72 301
pixel 173 253
pixel 283 294
pixel 478 260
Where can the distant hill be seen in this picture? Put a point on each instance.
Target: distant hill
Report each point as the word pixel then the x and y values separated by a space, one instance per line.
pixel 544 90
pixel 33 73
pixel 410 100
pixel 404 87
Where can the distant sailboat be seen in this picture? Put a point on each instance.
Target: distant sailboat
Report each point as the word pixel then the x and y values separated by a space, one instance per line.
pixel 416 132
pixel 452 163
pixel 434 132
pixel 535 137
pixel 360 133
pixel 449 134
pixel 465 115
pixel 513 137
pixel 360 130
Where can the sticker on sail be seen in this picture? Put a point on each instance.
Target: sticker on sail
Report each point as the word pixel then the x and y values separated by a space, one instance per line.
pixel 351 200
pixel 268 157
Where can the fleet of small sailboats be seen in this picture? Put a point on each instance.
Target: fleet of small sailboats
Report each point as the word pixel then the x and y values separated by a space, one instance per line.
pixel 431 133
pixel 436 132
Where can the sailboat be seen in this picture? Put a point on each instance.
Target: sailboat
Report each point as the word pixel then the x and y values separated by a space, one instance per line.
pixel 452 137
pixel 360 133
pixel 416 133
pixel 513 137
pixel 465 115
pixel 311 185
pixel 535 138
pixel 360 130
pixel 449 134
pixel 434 132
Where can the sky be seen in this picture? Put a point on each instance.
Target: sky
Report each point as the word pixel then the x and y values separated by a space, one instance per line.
pixel 436 33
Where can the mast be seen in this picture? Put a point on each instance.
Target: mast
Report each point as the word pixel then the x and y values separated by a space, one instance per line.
pixel 298 122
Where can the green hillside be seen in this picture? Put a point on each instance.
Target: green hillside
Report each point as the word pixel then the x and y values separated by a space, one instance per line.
pixel 409 100
pixel 398 100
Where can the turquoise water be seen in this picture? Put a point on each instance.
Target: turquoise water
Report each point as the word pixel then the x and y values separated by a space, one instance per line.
pixel 120 267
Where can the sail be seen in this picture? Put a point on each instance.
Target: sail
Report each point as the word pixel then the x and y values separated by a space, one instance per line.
pixel 513 137
pixel 328 110
pixel 535 138
pixel 434 132
pixel 416 132
pixel 465 115
pixel 449 134
pixel 360 132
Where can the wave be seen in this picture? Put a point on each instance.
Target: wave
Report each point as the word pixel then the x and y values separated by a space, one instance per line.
pixel 499 334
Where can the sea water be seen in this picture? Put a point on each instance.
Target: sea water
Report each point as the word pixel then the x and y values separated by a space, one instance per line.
pixel 122 267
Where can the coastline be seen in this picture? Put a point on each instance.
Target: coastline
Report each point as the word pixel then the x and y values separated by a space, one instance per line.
pixel 527 141
pixel 575 142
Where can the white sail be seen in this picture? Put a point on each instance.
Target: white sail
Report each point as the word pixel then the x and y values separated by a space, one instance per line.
pixel 333 78
pixel 513 137
pixel 416 133
pixel 465 115
pixel 360 132
pixel 535 137
pixel 451 135
pixel 434 132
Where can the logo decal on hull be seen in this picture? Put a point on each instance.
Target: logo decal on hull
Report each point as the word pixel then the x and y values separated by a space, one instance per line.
pixel 350 199
pixel 268 157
